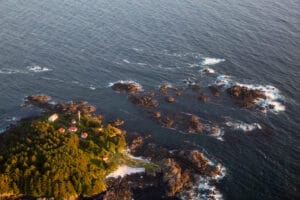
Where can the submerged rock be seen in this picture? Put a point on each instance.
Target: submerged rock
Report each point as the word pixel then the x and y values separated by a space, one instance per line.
pixel 214 91
pixel 127 87
pixel 203 97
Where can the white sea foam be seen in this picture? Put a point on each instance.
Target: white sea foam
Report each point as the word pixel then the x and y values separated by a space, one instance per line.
pixel 243 126
pixel 224 81
pixel 91 87
pixel 12 71
pixel 126 61
pixel 273 97
pixel 273 101
pixel 38 69
pixel 211 61
pixel 124 170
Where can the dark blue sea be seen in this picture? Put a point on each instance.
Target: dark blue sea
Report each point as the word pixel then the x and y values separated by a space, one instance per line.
pixel 74 49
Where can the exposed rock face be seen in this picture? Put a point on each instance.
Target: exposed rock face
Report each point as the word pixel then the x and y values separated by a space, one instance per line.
pixel 245 96
pixel 164 88
pixel 145 100
pixel 118 189
pixel 194 125
pixel 203 97
pixel 214 91
pixel 170 99
pixel 127 87
pixel 136 144
pixel 40 98
pixel 173 177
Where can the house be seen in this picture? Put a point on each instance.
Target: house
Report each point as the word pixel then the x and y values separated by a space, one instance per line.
pixel 73 121
pixel 53 117
pixel 61 130
pixel 73 129
pixel 84 135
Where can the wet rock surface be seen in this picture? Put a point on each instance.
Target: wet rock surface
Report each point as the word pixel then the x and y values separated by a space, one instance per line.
pixel 144 100
pixel 246 97
pixel 127 87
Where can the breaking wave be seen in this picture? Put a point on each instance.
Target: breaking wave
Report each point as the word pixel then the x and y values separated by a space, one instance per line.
pixel 243 126
pixel 211 61
pixel 38 69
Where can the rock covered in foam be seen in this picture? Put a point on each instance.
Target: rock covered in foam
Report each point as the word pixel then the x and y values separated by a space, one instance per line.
pixel 246 96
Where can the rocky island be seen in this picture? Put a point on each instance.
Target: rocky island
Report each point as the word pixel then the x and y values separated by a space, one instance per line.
pixel 70 153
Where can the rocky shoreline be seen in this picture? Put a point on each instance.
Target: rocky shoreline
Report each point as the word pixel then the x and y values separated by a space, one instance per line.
pixel 175 174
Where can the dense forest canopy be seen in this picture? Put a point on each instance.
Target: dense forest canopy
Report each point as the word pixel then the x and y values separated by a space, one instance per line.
pixel 44 158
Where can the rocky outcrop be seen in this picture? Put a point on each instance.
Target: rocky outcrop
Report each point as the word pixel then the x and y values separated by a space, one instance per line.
pixel 173 177
pixel 246 97
pixel 194 125
pixel 170 99
pixel 144 100
pixel 127 87
pixel 40 98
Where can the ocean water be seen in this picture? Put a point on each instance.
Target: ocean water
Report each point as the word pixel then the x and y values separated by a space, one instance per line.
pixel 73 50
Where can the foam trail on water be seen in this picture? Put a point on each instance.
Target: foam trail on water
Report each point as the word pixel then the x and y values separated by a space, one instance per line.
pixel 243 126
pixel 38 69
pixel 126 61
pixel 211 61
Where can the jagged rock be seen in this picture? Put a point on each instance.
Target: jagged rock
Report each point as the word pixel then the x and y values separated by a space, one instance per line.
pixel 127 87
pixel 203 97
pixel 135 144
pixel 172 176
pixel 214 91
pixel 194 125
pixel 170 99
pixel 245 96
pixel 145 100
pixel 164 88
pixel 118 190
pixel 40 98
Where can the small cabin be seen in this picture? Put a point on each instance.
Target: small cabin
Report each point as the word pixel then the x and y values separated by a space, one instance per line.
pixel 84 135
pixel 73 121
pixel 53 117
pixel 73 129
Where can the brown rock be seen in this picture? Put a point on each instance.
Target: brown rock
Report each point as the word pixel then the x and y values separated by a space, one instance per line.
pixel 39 98
pixel 145 100
pixel 203 97
pixel 127 87
pixel 117 122
pixel 170 99
pixel 195 125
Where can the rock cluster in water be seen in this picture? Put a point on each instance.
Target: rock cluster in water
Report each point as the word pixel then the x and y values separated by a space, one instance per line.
pixel 246 97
